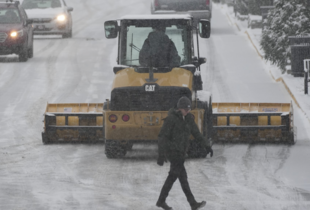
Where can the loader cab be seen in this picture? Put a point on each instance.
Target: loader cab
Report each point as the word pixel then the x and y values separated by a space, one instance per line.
pixel 134 33
pixel 156 61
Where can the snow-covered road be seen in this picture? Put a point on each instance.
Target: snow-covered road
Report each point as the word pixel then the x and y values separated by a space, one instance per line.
pixel 64 176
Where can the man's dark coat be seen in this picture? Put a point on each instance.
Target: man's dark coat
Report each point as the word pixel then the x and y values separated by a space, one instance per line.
pixel 175 135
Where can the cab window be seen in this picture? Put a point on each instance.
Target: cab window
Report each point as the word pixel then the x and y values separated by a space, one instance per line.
pixel 136 32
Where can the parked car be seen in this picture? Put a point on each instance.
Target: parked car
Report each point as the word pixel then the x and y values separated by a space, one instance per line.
pixel 255 21
pixel 49 16
pixel 16 32
pixel 199 9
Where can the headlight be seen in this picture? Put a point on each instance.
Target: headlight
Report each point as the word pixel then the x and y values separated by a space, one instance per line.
pixel 16 34
pixel 61 18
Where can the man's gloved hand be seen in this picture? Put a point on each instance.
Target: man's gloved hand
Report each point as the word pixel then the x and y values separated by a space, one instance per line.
pixel 161 160
pixel 209 150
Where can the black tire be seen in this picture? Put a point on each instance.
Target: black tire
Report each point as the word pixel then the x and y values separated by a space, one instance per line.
pixel 45 139
pixel 201 104
pixel 23 55
pixel 68 34
pixel 129 145
pixel 113 149
pixel 195 150
pixel 209 120
pixel 30 50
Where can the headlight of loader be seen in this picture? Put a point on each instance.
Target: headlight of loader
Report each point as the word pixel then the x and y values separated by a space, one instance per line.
pixel 16 34
pixel 61 18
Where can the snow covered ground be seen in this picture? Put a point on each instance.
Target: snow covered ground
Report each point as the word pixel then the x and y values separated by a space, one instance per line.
pixel 64 176
pixel 295 85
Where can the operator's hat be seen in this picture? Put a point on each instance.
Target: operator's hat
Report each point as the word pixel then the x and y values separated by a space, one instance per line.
pixel 184 103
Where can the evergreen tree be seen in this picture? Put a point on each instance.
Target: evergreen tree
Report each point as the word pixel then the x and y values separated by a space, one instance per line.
pixel 254 6
pixel 241 7
pixel 289 18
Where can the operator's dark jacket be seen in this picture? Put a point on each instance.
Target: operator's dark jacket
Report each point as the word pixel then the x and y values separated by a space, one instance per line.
pixel 174 135
pixel 159 51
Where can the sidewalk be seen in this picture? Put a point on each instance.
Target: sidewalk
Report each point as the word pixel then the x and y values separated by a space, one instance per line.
pixel 294 85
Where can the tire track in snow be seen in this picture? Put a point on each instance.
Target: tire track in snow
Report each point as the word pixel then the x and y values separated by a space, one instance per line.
pixel 251 178
pixel 213 77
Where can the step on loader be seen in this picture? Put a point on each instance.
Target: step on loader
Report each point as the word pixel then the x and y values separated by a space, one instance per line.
pixel 149 80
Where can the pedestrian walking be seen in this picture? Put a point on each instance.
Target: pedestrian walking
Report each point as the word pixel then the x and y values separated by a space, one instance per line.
pixel 173 142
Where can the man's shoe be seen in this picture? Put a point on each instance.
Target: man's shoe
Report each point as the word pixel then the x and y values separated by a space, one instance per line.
pixel 163 205
pixel 198 205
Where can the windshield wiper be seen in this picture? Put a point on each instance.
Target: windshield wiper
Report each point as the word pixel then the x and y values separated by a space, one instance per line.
pixel 134 47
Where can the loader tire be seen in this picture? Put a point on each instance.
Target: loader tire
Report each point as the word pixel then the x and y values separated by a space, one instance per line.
pixel 207 118
pixel 195 150
pixel 291 138
pixel 129 145
pixel 45 139
pixel 113 149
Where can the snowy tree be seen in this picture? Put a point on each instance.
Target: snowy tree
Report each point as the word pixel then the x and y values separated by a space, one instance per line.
pixel 254 5
pixel 241 7
pixel 289 18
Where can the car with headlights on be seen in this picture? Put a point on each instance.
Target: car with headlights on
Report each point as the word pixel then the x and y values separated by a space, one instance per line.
pixel 50 17
pixel 16 32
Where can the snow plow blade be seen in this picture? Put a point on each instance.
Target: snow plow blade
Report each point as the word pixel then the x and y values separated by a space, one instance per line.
pixel 252 123
pixel 80 122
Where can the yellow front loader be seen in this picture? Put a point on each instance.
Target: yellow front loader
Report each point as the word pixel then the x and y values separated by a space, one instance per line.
pixel 142 95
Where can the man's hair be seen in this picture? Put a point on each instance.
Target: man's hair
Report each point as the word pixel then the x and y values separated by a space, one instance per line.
pixel 159 27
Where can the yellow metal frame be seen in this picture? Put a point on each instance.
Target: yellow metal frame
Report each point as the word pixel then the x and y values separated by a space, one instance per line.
pixel 74 108
pixel 177 77
pixel 263 121
pixel 142 125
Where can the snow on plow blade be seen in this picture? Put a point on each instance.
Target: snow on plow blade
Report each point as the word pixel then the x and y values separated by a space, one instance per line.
pixel 81 122
pixel 253 122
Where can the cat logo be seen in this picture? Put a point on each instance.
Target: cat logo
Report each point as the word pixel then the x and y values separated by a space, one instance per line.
pixel 150 88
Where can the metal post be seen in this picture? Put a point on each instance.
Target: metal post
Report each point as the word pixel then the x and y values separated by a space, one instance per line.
pixel 306 69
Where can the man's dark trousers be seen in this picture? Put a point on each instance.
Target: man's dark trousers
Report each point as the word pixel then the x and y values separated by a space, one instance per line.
pixel 177 170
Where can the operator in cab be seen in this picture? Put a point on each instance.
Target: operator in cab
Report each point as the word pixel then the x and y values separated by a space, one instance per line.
pixel 158 49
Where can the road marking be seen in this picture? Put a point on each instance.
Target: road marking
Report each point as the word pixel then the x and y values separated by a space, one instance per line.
pixel 253 44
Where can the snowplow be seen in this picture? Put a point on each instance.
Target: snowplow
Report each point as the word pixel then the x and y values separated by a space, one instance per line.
pixel 142 95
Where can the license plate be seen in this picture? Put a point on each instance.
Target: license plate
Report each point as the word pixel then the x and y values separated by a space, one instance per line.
pixel 40 27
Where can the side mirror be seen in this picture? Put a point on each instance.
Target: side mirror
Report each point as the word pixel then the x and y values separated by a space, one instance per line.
pixel 70 9
pixel 198 61
pixel 111 29
pixel 204 27
pixel 29 21
pixel 202 60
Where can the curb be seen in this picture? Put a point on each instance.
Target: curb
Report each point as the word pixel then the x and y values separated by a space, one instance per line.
pixel 232 23
pixel 277 80
pixel 246 32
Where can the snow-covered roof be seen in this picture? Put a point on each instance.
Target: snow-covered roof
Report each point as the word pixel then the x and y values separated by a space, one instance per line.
pixel 155 17
pixel 255 17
